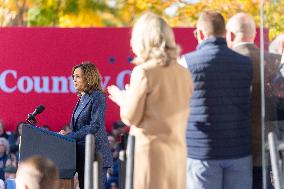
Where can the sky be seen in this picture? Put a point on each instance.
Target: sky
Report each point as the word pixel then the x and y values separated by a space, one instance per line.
pixel 172 9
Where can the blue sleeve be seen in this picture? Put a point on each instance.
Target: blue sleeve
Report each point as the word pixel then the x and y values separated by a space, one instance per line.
pixel 97 119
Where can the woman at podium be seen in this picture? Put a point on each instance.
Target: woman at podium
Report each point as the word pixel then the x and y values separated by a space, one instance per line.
pixel 89 117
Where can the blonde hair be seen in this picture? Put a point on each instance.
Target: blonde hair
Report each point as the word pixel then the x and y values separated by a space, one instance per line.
pixel 38 172
pixel 153 39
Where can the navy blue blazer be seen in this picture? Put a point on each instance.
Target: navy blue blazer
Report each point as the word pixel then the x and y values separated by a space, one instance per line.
pixel 90 119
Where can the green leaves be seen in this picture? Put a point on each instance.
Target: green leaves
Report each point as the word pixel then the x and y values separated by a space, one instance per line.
pixel 42 17
pixel 116 13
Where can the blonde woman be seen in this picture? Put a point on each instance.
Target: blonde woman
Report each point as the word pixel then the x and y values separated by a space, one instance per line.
pixel 156 106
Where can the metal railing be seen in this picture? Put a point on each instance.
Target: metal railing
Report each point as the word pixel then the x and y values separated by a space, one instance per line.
pixel 275 147
pixel 130 162
pixel 93 164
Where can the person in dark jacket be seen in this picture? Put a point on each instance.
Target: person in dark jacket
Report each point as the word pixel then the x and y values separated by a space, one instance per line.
pixel 218 131
pixel 14 138
pixel 4 151
pixel 3 131
pixel 241 33
pixel 89 118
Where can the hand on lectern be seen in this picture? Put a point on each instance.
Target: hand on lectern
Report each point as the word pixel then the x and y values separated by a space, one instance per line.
pixel 62 132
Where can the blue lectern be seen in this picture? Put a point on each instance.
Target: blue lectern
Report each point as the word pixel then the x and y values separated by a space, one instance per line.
pixel 60 149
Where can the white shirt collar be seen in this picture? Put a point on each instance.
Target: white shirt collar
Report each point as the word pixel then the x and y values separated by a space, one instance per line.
pixel 242 43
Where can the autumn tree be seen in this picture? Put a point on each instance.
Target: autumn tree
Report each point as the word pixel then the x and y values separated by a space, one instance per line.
pixel 273 12
pixel 117 13
pixel 14 12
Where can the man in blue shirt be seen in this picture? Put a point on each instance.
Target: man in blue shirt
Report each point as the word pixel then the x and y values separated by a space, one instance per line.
pixel 218 132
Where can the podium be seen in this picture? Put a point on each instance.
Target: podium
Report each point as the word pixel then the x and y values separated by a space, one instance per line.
pixel 60 149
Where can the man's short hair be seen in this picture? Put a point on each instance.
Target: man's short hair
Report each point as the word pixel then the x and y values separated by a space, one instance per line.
pixel 211 23
pixel 37 172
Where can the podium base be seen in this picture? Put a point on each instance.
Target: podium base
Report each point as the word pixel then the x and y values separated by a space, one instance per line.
pixel 66 183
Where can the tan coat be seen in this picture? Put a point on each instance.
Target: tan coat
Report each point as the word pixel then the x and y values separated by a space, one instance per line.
pixel 158 105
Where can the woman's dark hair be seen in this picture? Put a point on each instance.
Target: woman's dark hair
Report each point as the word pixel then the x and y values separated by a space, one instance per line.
pixel 91 76
pixel 17 128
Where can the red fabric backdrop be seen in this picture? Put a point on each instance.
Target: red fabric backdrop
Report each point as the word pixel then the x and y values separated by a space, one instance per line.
pixel 36 66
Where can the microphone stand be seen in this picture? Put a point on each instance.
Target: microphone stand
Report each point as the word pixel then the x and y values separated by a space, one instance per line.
pixel 31 120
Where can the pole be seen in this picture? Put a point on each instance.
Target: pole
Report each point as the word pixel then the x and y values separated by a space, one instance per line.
pixel 130 162
pixel 275 159
pixel 89 159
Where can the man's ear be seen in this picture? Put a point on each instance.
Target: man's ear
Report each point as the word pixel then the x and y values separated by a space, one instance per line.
pixel 201 35
pixel 232 36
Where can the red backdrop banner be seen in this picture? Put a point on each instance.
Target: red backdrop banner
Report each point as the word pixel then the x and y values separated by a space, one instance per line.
pixel 36 66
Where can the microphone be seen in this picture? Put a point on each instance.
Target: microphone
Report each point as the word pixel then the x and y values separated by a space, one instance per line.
pixel 32 116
